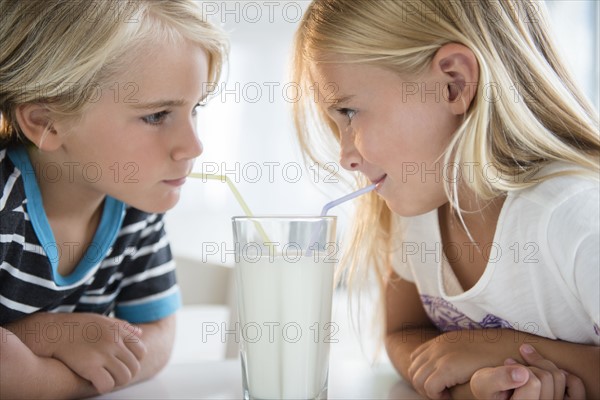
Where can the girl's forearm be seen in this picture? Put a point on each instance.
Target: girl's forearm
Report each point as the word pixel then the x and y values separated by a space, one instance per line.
pixel 400 344
pixel 580 360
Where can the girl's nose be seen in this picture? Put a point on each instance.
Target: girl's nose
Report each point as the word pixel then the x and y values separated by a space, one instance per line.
pixel 350 158
pixel 188 145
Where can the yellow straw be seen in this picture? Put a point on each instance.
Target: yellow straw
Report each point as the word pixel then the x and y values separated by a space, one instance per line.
pixel 236 193
pixel 238 197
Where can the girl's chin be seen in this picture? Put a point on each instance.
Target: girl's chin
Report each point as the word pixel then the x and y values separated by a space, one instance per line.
pixel 404 210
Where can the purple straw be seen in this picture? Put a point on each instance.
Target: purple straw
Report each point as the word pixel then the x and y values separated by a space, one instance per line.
pixel 334 203
pixel 347 197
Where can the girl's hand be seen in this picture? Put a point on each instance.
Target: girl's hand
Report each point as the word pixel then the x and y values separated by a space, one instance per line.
pixel 453 357
pixel 105 351
pixel 540 380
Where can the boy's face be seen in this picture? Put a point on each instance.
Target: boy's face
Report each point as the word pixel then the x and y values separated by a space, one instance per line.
pixel 138 141
pixel 391 130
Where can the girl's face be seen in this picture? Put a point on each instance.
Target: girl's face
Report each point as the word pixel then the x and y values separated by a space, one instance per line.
pixel 138 141
pixel 393 131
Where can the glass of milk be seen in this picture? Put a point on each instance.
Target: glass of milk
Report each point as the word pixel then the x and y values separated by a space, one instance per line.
pixel 284 275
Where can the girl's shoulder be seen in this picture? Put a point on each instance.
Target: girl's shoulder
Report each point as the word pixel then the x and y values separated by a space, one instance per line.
pixel 559 183
pixel 565 202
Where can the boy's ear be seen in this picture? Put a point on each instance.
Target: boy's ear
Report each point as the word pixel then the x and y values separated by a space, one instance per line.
pixel 37 125
pixel 460 70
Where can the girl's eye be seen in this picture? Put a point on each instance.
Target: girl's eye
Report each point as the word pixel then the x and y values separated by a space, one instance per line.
pixel 348 113
pixel 156 118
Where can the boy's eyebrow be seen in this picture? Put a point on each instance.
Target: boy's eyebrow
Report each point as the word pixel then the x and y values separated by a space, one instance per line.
pixel 159 104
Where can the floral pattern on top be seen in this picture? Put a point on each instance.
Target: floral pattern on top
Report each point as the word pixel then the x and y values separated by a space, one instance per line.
pixel 448 318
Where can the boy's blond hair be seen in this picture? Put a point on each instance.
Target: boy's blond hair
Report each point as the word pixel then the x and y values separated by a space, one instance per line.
pixel 61 53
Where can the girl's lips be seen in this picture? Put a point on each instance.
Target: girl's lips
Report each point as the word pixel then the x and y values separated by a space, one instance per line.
pixel 380 182
pixel 176 182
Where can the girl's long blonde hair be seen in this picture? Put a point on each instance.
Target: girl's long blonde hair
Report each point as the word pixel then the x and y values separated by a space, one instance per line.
pixel 60 53
pixel 527 111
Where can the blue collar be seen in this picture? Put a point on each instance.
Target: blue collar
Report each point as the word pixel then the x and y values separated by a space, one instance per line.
pixel 108 229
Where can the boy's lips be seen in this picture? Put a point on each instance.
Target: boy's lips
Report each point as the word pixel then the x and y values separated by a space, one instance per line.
pixel 178 181
pixel 175 182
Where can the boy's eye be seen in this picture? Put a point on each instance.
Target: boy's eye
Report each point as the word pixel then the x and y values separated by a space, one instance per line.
pixel 347 112
pixel 156 118
pixel 194 112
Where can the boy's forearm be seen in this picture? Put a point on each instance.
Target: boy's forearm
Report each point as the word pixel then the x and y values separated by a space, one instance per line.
pixel 27 330
pixel 158 337
pixel 23 375
pixel 42 330
pixel 31 334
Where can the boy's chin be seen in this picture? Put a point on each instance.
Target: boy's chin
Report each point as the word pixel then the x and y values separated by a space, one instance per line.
pixel 155 207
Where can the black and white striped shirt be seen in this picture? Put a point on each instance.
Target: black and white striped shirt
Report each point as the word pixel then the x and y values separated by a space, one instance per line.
pixel 127 269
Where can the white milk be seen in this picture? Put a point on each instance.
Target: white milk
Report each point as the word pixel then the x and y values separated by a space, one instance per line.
pixel 285 311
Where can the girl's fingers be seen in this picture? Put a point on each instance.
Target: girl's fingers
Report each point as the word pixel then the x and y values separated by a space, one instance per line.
pixel 545 368
pixel 530 390
pixel 539 380
pixel 496 382
pixel 418 377
pixel 548 389
pixel 417 371
pixel 417 352
pixel 575 389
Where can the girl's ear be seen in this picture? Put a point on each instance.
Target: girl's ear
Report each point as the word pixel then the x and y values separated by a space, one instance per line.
pixel 36 124
pixel 459 69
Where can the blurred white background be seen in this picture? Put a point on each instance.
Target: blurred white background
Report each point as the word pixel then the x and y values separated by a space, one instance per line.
pixel 247 129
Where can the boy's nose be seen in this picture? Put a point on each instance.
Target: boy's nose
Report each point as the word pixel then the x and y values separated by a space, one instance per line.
pixel 188 145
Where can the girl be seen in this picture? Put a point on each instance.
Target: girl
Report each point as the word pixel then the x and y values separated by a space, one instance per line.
pixel 97 101
pixel 484 226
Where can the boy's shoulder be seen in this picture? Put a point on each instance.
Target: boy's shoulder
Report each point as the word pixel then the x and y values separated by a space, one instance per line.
pixel 12 192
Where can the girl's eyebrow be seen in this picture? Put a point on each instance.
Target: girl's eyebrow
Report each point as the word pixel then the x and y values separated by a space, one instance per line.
pixel 336 101
pixel 159 104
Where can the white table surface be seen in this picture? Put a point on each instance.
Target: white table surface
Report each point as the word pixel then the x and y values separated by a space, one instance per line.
pixel 223 380
pixel 198 369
